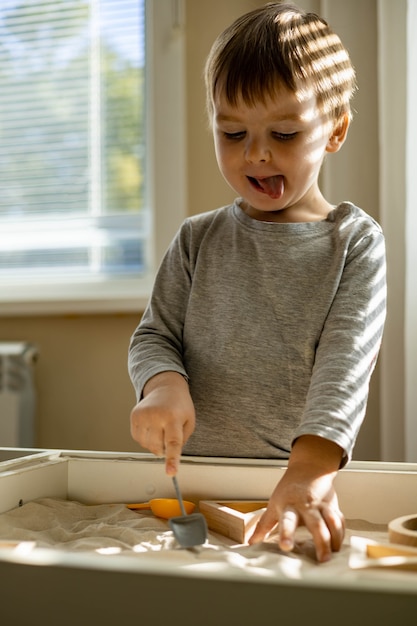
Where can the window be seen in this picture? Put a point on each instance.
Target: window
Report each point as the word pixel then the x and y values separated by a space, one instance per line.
pixel 78 134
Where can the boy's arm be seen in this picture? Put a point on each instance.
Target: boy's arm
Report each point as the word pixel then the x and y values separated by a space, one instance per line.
pixel 306 496
pixel 348 347
pixel 156 345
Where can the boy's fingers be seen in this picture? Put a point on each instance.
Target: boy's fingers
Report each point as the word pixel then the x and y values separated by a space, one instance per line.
pixel 321 535
pixel 173 446
pixel 172 460
pixel 264 526
pixel 175 438
pixel 327 529
pixel 335 522
pixel 288 523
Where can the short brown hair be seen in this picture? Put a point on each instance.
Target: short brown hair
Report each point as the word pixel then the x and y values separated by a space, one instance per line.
pixel 280 44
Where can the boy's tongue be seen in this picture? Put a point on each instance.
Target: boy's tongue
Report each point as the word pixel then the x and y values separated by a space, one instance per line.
pixel 273 185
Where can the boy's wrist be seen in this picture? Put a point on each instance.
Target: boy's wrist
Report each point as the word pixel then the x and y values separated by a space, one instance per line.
pixel 316 452
pixel 164 379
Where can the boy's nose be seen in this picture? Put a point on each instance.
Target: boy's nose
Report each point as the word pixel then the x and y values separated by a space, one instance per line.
pixel 257 151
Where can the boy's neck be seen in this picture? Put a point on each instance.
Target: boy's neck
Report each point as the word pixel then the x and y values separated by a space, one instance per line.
pixel 317 211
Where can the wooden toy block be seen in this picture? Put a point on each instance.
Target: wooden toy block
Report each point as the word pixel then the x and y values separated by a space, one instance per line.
pixel 233 519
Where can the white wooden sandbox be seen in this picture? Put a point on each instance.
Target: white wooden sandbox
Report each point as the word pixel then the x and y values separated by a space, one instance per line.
pixel 56 586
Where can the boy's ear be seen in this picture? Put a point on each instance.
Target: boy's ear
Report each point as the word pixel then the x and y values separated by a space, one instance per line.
pixel 338 136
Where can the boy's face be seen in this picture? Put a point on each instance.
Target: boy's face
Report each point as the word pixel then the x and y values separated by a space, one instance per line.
pixel 271 153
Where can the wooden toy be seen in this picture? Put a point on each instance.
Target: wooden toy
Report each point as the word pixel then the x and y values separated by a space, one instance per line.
pixel 233 519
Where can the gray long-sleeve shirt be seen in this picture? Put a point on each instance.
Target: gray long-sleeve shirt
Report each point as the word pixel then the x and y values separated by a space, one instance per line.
pixel 276 326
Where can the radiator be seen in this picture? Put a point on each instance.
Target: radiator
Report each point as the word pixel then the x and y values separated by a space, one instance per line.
pixel 17 394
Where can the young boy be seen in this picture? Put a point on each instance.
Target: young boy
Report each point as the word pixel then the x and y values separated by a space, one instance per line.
pixel 266 316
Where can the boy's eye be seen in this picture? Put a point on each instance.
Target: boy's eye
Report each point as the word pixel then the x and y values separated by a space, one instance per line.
pixel 235 136
pixel 284 136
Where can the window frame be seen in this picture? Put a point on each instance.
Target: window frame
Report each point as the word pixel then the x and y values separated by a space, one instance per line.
pixel 397 164
pixel 165 189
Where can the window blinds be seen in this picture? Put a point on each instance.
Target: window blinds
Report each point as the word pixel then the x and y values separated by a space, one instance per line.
pixel 72 141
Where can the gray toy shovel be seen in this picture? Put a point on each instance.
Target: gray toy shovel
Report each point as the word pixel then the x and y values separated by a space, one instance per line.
pixel 189 530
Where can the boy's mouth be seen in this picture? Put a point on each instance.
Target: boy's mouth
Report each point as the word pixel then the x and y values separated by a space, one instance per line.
pixel 273 186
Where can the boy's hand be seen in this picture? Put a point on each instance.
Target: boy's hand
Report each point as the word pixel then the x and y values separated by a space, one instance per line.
pixel 305 496
pixel 164 419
